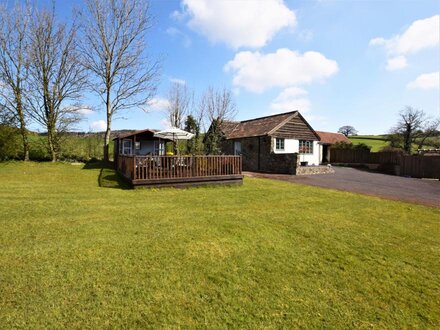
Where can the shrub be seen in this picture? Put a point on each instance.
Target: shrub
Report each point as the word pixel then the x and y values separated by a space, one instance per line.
pixel 391 149
pixel 10 143
pixel 345 145
pixel 361 146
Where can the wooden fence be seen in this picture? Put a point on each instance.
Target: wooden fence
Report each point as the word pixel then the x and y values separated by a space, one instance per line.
pixel 178 167
pixel 413 166
pixel 351 156
pixel 420 166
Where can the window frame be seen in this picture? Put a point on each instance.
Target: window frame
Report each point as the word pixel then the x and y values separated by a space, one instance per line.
pixel 282 144
pixel 126 149
pixel 305 147
pixel 237 148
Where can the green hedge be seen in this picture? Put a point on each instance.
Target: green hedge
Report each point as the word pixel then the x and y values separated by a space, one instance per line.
pixel 81 148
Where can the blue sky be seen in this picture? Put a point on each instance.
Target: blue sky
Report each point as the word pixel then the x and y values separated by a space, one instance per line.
pixel 337 62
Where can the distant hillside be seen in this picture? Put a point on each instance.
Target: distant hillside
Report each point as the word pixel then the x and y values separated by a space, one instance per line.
pixel 377 142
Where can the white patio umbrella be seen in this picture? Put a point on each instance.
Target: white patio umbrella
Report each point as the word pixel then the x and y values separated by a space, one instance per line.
pixel 174 133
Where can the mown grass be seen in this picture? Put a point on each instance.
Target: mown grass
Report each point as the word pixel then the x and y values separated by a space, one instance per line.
pixel 266 254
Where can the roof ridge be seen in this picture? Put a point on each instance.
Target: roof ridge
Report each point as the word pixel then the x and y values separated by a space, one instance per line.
pixel 275 115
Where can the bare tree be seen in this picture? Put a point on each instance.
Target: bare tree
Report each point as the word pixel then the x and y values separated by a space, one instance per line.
pixel 218 104
pixel 430 129
pixel 56 78
pixel 114 52
pixel 347 130
pixel 14 65
pixel 409 127
pixel 179 99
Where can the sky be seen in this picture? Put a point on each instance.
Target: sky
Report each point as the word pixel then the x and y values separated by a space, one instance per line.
pixel 337 62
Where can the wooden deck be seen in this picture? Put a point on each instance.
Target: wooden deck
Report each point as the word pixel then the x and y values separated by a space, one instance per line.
pixel 179 171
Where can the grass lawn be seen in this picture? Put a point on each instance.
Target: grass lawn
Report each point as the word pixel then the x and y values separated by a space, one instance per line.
pixel 376 142
pixel 267 254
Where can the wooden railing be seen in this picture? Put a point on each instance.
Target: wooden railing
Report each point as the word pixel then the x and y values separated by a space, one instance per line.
pixel 126 166
pixel 174 167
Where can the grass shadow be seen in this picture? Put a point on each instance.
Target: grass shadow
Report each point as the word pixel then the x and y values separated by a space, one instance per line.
pixel 97 164
pixel 108 177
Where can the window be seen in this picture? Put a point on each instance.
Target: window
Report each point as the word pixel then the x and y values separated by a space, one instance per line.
pixel 126 147
pixel 279 144
pixel 159 148
pixel 237 147
pixel 137 145
pixel 305 147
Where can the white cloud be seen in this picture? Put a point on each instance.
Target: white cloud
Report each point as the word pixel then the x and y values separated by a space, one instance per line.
pixel 165 123
pixel 98 126
pixel 238 23
pixel 306 35
pixel 288 100
pixel 186 41
pixel 178 81
pixel 377 42
pixel 421 34
pixel 291 92
pixel 158 104
pixel 178 16
pixel 426 81
pixel 396 63
pixel 258 72
pixel 316 121
pixel 300 104
pixel 84 110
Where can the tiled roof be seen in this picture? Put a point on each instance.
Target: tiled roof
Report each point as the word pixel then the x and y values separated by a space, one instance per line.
pixel 255 127
pixel 332 138
pixel 228 126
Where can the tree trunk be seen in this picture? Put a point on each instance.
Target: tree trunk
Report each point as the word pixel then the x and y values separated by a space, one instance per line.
pixel 107 131
pixel 23 132
pixel 51 143
pixel 106 143
pixel 25 139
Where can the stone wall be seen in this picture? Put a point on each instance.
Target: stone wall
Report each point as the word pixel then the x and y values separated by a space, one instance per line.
pixel 258 155
pixel 309 170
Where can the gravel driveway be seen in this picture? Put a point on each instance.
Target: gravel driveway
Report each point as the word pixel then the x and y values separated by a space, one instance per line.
pixel 426 192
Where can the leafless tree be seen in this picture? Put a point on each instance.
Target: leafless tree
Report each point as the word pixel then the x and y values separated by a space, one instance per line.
pixel 217 104
pixel 14 65
pixel 179 99
pixel 431 129
pixel 413 124
pixel 347 130
pixel 56 78
pixel 114 52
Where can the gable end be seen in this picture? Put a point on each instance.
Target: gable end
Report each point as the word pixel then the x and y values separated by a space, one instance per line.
pixel 295 128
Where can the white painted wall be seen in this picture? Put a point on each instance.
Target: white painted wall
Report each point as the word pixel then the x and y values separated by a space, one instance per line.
pixel 292 146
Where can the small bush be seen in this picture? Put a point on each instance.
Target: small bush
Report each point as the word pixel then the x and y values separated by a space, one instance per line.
pixel 361 146
pixel 345 145
pixel 391 149
pixel 342 145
